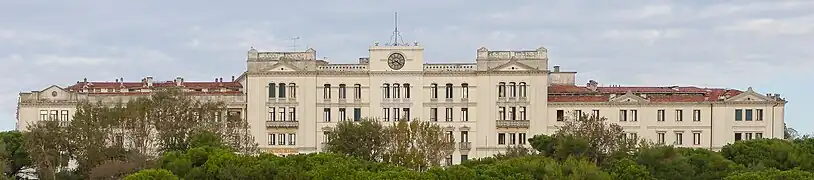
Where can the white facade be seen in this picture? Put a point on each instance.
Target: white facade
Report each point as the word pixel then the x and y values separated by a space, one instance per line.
pixel 502 98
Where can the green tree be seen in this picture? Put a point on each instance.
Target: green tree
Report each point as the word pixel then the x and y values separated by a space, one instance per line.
pixel 627 169
pixel 604 139
pixel 150 174
pixel 416 144
pixel 16 152
pixel 47 146
pixel 771 174
pixel 365 139
pixel 774 153
pixel 91 133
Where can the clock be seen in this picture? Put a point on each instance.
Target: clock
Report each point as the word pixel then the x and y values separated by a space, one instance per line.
pixel 395 61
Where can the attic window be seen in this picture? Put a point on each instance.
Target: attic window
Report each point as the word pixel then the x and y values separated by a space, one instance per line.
pixel 54 93
pixel 198 90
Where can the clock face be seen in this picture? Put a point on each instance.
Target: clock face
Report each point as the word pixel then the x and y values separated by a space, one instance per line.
pixel 395 61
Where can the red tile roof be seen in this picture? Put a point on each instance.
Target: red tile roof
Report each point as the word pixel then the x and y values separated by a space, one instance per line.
pixel 572 93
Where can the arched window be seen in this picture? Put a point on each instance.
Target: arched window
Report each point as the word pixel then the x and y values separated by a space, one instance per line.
pixel 501 89
pixel 272 89
pixel 386 90
pixel 326 91
pixel 357 91
pixel 396 91
pixel 292 90
pixel 448 88
pixel 342 91
pixel 406 90
pixel 512 89
pixel 522 90
pixel 434 90
pixel 281 93
pixel 465 91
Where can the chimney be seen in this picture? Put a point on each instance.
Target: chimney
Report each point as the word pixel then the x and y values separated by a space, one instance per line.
pixel 556 68
pixel 179 81
pixel 117 80
pixel 220 80
pixel 149 81
pixel 85 80
pixel 592 85
pixel 233 78
pixel 121 79
pixel 216 79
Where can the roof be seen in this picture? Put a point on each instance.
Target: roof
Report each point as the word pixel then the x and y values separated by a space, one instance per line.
pixel 573 93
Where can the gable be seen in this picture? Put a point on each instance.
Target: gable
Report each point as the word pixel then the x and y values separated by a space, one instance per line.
pixel 628 97
pixel 54 92
pixel 749 95
pixel 283 67
pixel 512 65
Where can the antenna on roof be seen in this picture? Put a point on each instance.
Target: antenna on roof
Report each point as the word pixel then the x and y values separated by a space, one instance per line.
pixel 294 43
pixel 396 39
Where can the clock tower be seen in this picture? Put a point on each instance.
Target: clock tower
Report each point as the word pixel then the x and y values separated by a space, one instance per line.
pixel 396 55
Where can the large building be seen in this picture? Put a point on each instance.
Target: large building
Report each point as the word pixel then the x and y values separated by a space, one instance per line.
pixel 292 99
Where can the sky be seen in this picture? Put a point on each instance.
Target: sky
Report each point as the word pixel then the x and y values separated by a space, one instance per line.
pixel 764 44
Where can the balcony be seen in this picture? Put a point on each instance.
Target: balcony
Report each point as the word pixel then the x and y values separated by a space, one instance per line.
pixel 282 124
pixel 512 123
pixel 465 145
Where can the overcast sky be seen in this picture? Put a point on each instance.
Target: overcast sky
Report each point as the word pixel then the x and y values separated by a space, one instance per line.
pixel 765 44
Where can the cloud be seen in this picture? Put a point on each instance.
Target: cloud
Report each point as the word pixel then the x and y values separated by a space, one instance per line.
pixel 772 26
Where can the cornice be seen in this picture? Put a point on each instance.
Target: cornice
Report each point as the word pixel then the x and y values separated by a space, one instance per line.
pixel 652 104
pixel 422 73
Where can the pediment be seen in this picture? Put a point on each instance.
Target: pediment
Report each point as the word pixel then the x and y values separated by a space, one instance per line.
pixel 283 66
pixel 629 97
pixel 512 65
pixel 54 92
pixel 749 95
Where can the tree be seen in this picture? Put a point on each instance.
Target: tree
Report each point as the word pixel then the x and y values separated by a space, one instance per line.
pixel 589 136
pixel 774 153
pixel 365 139
pixel 47 146
pixel 16 152
pixel 771 174
pixel 416 145
pixel 91 133
pixel 789 133
pixel 150 174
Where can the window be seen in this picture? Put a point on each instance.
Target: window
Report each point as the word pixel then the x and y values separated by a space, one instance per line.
pixel 738 114
pixel 501 89
pixel 464 114
pixel 660 115
pixel 357 91
pixel 434 90
pixel 450 136
pixel 660 137
pixel 464 158
pixel 634 115
pixel 281 93
pixel 738 137
pixel 396 91
pixel 759 114
pixel 44 115
pixel 342 91
pixel 272 89
pixel 679 138
pixel 513 113
pixel 696 115
pixel 448 160
pixel 522 113
pixel 501 113
pixel 595 113
pixel 449 115
pixel 282 113
pixel 577 114
pixel 512 89
pixel 396 116
pixel 449 91
pixel 272 114
pixel 465 91
pixel 292 139
pixel 696 138
pixel 759 135
pixel 281 139
pixel 64 115
pixel 292 114
pixel 748 115
pixel 512 138
pixel 464 136
pixel 54 115
pixel 386 114
pixel 748 136
pixel 271 139
pixel 326 91
pixel 560 115
pixel 406 114
pixel 679 115
pixel 292 90
pixel 386 90
pixel 326 136
pixel 634 136
pixel 433 114
pixel 501 138
pixel 326 114
pixel 521 137
pixel 522 89
pixel 622 115
pixel 406 90
pixel 342 114
pixel 357 114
